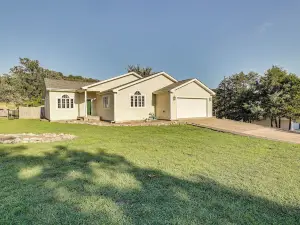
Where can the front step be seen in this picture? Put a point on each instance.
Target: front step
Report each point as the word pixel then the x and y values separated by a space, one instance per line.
pixel 89 118
pixel 93 118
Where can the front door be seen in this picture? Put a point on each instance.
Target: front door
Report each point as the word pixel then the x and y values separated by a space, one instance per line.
pixel 89 107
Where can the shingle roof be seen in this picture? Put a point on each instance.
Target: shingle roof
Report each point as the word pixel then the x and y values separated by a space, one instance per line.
pixel 172 86
pixel 65 84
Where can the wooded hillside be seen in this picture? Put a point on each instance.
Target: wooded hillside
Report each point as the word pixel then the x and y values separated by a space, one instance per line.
pixel 24 84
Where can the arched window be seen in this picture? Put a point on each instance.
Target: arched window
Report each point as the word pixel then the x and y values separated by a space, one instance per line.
pixel 65 102
pixel 137 100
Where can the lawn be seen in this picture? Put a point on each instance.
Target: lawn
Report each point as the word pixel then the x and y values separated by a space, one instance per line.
pixel 147 175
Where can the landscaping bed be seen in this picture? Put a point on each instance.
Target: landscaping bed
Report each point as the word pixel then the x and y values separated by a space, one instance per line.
pixel 126 124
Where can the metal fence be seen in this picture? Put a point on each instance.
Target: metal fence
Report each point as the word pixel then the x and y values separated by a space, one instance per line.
pixel 12 114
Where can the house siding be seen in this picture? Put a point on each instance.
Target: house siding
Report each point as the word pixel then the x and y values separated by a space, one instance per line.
pixel 47 106
pixel 191 90
pixel 163 106
pixel 114 83
pixel 123 111
pixel 63 114
pixel 106 113
pixel 90 95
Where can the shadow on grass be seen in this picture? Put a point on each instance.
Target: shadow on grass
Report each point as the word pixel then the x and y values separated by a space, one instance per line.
pixel 68 186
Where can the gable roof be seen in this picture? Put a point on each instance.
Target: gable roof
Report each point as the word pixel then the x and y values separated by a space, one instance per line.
pixel 172 86
pixel 111 79
pixel 116 89
pixel 179 84
pixel 64 84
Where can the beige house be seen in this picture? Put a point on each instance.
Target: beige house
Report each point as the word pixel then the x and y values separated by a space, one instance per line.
pixel 128 97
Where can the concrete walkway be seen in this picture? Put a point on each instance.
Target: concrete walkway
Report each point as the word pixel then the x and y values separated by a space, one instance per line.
pixel 245 129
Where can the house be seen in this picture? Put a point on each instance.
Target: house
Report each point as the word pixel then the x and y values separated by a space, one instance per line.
pixel 128 97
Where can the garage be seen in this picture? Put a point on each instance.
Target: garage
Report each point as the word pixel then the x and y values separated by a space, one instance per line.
pixel 184 99
pixel 191 107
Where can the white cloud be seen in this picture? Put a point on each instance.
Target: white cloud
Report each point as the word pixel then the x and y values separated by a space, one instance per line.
pixel 264 27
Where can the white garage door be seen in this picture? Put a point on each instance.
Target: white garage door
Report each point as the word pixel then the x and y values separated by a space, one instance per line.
pixel 191 107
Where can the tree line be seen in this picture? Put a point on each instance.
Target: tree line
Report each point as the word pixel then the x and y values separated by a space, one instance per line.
pixel 249 97
pixel 24 84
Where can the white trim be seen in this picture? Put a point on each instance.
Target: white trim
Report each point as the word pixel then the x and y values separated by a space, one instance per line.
pixel 197 82
pixel 85 103
pixel 192 97
pixel 171 105
pixel 108 100
pixel 115 106
pixel 56 103
pixel 133 101
pixel 111 79
pixel 144 79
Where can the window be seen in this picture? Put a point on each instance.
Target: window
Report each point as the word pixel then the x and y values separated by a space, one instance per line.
pixel 105 102
pixel 137 100
pixel 65 102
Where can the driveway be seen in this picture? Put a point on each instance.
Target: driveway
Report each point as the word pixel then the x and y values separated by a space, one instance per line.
pixel 245 129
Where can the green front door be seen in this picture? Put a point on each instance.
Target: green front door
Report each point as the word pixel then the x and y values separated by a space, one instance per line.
pixel 89 107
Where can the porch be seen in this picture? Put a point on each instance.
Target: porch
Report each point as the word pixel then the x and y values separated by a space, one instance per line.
pixel 91 108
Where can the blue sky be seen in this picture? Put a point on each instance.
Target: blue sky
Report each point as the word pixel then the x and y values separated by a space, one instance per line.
pixel 185 38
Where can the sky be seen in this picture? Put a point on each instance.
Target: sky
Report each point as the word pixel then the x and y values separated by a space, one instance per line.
pixel 206 39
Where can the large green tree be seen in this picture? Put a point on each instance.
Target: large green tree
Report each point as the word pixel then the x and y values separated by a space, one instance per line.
pixel 8 92
pixel 273 95
pixel 291 104
pixel 24 85
pixel 237 97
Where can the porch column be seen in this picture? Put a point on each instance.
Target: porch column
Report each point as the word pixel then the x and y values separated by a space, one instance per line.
pixel 85 103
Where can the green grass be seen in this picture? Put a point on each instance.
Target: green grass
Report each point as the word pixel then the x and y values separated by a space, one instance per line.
pixel 147 175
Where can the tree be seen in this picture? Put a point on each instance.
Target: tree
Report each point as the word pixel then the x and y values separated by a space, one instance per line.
pixel 272 94
pixel 291 105
pixel 143 71
pixel 250 97
pixel 8 92
pixel 26 82
pixel 28 79
pixel 236 97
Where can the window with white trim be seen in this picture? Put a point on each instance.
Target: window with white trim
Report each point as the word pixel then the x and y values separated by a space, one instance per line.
pixel 137 100
pixel 65 102
pixel 105 100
